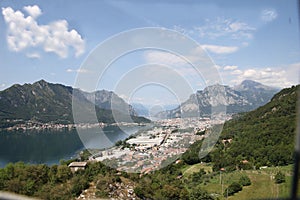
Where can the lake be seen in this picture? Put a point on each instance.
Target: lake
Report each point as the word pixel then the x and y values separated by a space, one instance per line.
pixel 50 146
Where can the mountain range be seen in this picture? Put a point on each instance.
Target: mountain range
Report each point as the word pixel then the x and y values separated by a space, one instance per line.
pixel 151 110
pixel 244 97
pixel 47 102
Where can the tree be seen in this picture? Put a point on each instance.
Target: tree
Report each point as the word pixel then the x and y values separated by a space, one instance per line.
pixel 279 177
pixel 245 180
pixel 84 155
pixel 78 184
pixel 119 143
pixel 139 192
pixel 232 188
pixel 170 192
pixel 191 156
pixel 63 173
pixel 198 193
pixel 197 177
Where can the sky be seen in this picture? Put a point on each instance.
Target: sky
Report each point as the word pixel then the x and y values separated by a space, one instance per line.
pixel 54 41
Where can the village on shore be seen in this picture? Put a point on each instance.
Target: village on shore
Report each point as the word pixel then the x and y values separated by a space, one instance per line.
pixel 21 125
pixel 156 147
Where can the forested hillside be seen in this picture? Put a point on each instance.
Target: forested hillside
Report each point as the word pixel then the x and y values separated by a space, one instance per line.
pixel 52 103
pixel 264 136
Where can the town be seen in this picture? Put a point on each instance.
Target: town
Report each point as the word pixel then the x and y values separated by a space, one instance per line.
pixel 21 125
pixel 156 147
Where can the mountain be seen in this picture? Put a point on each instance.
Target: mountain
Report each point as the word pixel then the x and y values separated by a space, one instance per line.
pixel 140 109
pixel 110 101
pixel 151 110
pixel 47 102
pixel 265 136
pixel 256 93
pixel 241 98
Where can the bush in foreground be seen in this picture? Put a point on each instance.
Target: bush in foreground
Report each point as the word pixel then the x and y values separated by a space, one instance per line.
pixel 232 189
pixel 279 177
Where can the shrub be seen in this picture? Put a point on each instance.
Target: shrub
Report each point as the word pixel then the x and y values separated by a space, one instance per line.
pixel 245 180
pixel 199 193
pixel 279 177
pixel 232 189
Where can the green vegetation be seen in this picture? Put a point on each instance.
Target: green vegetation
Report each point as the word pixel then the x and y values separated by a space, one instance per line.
pixel 245 181
pixel 163 184
pixel 232 189
pixel 55 182
pixel 191 156
pixel 189 169
pixel 199 194
pixel 279 177
pixel 44 102
pixel 263 137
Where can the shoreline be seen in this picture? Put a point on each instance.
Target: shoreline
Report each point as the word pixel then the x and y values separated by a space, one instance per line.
pixel 38 126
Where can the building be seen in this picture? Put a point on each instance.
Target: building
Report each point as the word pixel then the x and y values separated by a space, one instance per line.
pixel 75 166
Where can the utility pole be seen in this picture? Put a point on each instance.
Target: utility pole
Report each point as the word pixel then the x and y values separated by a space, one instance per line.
pixel 222 188
pixel 227 194
pixel 221 182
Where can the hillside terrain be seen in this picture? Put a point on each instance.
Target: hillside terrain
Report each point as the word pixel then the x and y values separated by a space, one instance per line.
pixel 52 103
pixel 264 136
pixel 247 96
pixel 252 159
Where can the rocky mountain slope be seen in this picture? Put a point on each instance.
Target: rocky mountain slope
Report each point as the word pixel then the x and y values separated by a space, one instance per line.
pixel 47 102
pixel 110 101
pixel 140 109
pixel 241 98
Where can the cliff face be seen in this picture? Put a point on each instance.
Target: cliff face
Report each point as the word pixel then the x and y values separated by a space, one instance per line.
pixel 247 96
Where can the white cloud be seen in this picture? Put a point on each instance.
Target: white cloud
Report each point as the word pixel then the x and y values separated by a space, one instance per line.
pixel 239 26
pixel 222 27
pixel 236 72
pixel 275 76
pixel 269 15
pixel 250 73
pixel 77 70
pixel 217 49
pixel 33 55
pixel 2 85
pixel 161 57
pixel 24 32
pixel 230 67
pixel 124 97
pixel 184 63
pixel 33 11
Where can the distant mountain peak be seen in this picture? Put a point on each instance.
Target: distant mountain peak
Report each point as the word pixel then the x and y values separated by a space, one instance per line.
pixel 41 82
pixel 244 97
pixel 250 82
pixel 253 85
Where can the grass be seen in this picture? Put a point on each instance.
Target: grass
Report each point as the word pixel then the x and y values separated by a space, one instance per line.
pixel 188 170
pixel 263 185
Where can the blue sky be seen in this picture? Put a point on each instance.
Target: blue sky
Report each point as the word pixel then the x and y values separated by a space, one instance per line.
pixel 50 40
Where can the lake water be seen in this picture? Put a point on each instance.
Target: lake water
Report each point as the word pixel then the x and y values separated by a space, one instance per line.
pixel 50 146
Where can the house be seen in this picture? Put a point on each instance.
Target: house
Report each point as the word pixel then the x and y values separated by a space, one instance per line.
pixel 245 161
pixel 75 166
